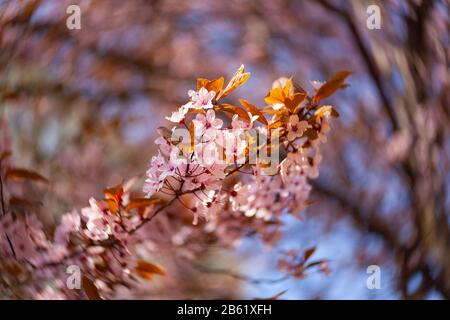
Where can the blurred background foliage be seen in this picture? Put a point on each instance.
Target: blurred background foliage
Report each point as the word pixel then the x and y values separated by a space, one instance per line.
pixel 81 107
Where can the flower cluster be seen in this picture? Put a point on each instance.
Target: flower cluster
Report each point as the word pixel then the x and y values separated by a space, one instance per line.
pixel 236 170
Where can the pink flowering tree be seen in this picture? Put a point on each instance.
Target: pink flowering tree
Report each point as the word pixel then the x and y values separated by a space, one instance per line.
pixel 224 171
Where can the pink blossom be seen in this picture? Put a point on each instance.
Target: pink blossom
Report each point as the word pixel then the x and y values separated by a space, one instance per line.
pixel 295 127
pixel 98 223
pixel 164 146
pixel 207 125
pixel 178 116
pixel 70 222
pixel 201 99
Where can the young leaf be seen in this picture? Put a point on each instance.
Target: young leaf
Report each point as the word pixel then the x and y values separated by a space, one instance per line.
pixel 239 78
pixel 114 196
pixel 234 110
pixel 308 253
pixel 254 111
pixel 164 132
pixel 211 85
pixel 138 203
pixel 215 85
pixel 325 110
pixel 293 101
pixel 311 134
pixel 275 96
pixel 90 289
pixel 201 82
pixel 275 297
pixel 146 270
pixel 5 154
pixel 334 83
pixel 16 174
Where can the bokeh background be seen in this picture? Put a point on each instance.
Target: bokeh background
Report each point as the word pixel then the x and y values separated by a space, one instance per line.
pixel 81 107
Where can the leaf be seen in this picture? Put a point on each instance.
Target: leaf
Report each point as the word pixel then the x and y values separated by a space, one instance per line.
pixel 17 174
pixel 311 134
pixel 254 111
pixel 275 297
pixel 276 124
pixel 139 203
pixel 201 82
pixel 239 78
pixel 334 83
pixel 234 110
pixel 325 110
pixel 113 196
pixel 308 253
pixel 215 85
pixel 270 110
pixel 23 203
pixel 164 132
pixel 115 193
pixel 293 101
pixel 146 270
pixel 211 85
pixel 5 154
pixel 275 96
pixel 315 263
pixel 90 289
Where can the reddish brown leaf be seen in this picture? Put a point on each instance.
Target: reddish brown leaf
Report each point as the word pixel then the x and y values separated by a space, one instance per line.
pixel 234 110
pixel 139 203
pixel 90 289
pixel 308 253
pixel 324 110
pixel 334 83
pixel 293 101
pixel 239 78
pixel 146 270
pixel 16 174
pixel 275 297
pixel 311 134
pixel 5 154
pixel 254 111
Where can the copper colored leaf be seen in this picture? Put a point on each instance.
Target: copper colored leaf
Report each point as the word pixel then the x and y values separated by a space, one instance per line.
pixel 334 83
pixel 311 134
pixel 23 174
pixel 234 110
pixel 293 101
pixel 90 289
pixel 308 253
pixel 146 270
pixel 254 111
pixel 5 154
pixel 115 192
pixel 141 203
pixel 275 96
pixel 274 297
pixel 201 82
pixel 211 85
pixel 23 203
pixel 276 124
pixel 239 78
pixel 324 110
pixel 215 85
pixel 164 132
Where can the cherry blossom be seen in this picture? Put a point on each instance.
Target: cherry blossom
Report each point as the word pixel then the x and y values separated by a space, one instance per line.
pixel 201 99
pixel 295 127
pixel 210 176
